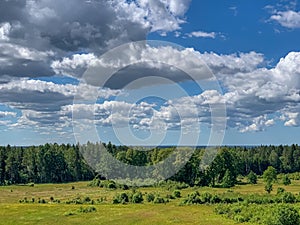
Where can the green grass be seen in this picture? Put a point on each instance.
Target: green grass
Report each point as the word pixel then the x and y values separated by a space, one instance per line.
pixel 13 212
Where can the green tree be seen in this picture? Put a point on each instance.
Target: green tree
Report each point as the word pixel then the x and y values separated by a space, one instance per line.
pixel 2 165
pixel 269 175
pixel 252 178
pixel 228 179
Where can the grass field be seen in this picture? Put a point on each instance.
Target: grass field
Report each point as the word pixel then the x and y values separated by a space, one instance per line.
pixel 13 212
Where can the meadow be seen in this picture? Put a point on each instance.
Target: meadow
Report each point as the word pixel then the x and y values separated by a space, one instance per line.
pixel 54 210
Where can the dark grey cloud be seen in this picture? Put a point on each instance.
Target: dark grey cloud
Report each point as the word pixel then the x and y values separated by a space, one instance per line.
pixel 59 27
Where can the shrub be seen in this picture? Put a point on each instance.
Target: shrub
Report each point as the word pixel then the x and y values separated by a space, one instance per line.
pixel 87 209
pixel 137 197
pixel 284 215
pixel 193 198
pixel 112 185
pixel 42 201
pixel 150 197
pixel 159 200
pixel 177 194
pixel 286 180
pixel 205 197
pixel 269 187
pixel 69 213
pixel 280 190
pixel 288 197
pixel 121 198
pixel 87 199
pixel 215 199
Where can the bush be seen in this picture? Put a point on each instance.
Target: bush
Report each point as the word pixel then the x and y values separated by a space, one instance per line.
pixel 173 185
pixel 150 197
pixel 176 194
pixel 284 215
pixel 112 185
pixel 288 197
pixel 269 187
pixel 159 200
pixel 137 197
pixel 193 198
pixel 280 190
pixel 121 198
pixel 286 180
pixel 88 209
pixel 215 199
pixel 205 197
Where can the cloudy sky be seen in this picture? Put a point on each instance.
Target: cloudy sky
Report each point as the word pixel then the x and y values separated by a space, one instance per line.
pixel 57 59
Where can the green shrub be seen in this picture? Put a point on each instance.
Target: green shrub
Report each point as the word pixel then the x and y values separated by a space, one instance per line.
pixel 121 198
pixel 286 180
pixel 87 209
pixel 159 200
pixel 112 185
pixel 137 197
pixel 284 215
pixel 280 190
pixel 288 197
pixel 150 197
pixel 177 194
pixel 215 199
pixel 205 197
pixel 268 187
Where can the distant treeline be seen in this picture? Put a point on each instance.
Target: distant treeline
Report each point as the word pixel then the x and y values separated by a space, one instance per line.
pixel 53 163
pixel 49 163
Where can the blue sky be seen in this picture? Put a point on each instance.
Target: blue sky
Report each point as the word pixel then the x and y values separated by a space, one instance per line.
pixel 244 55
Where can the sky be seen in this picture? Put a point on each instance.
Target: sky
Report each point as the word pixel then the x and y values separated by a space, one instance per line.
pixel 150 72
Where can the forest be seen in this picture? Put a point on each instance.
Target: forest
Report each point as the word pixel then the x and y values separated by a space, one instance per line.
pixel 54 163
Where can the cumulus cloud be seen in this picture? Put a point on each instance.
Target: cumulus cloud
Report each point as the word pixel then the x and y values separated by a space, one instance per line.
pixel 142 60
pixel 29 28
pixel 289 19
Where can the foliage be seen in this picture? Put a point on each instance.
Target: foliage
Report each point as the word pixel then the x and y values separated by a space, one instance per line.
pixel 284 215
pixel 176 194
pixel 53 163
pixel 270 175
pixel 286 180
pixel 281 214
pixel 150 197
pixel 137 197
pixel 269 187
pixel 228 180
pixel 252 178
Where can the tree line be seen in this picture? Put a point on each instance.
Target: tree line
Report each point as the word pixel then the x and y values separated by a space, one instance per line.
pixel 53 163
pixel 49 163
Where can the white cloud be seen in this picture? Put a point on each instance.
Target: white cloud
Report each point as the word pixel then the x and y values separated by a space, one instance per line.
pixel 202 34
pixel 4 31
pixel 289 19
pixel 37 32
pixel 293 119
pixel 4 114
